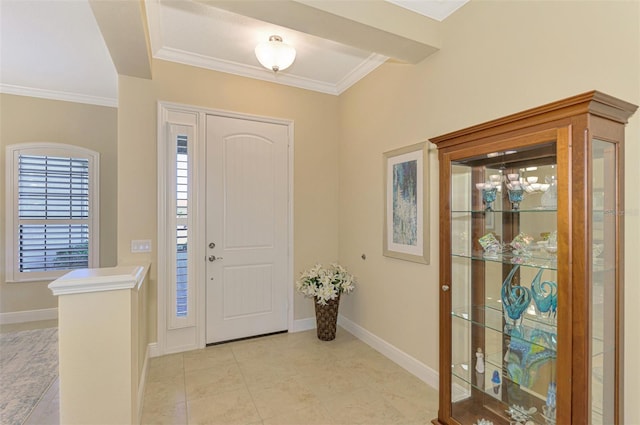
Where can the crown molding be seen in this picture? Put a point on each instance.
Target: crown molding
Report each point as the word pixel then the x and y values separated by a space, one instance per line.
pixel 58 95
pixel 201 61
pixel 359 72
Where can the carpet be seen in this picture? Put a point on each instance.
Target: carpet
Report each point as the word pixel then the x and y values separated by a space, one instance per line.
pixel 28 366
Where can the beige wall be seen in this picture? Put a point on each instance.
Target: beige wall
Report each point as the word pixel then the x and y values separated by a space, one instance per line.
pixel 315 157
pixel 497 58
pixel 26 119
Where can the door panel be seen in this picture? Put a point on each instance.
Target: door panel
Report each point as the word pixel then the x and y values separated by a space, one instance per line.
pixel 249 192
pixel 247 290
pixel 247 221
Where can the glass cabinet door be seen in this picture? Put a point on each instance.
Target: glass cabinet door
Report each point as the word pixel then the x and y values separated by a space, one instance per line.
pixel 504 286
pixel 604 219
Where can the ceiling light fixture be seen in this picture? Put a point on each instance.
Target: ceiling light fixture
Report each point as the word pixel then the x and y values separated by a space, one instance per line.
pixel 274 54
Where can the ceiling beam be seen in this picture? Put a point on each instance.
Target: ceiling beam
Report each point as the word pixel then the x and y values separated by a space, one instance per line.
pixel 124 28
pixel 373 25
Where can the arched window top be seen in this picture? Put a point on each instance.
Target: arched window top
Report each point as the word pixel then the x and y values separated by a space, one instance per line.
pixel 52 149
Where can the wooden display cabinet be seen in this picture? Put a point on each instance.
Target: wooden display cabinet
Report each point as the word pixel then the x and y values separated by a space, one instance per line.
pixel 533 278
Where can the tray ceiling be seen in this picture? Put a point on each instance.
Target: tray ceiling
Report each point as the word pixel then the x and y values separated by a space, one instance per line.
pixel 55 49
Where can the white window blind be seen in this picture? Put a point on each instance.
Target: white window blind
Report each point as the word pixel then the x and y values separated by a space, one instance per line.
pixel 179 244
pixel 182 234
pixel 51 195
pixel 53 188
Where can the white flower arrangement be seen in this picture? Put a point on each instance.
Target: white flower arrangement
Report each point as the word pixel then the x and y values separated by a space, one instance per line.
pixel 325 284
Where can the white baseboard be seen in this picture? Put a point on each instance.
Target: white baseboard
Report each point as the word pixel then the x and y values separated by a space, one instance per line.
pixel 28 316
pixel 143 381
pixel 154 350
pixel 404 360
pixel 301 325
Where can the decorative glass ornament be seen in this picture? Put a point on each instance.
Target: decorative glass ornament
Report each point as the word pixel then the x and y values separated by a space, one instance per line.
pixel 544 294
pixel 515 299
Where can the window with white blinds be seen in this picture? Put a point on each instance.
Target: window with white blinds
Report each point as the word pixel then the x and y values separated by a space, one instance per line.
pixel 51 194
pixel 180 270
pixel 182 234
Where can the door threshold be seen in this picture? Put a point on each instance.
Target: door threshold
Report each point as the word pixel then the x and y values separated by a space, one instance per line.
pixel 211 344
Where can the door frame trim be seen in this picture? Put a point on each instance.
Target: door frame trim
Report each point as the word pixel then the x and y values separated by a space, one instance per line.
pixel 196 338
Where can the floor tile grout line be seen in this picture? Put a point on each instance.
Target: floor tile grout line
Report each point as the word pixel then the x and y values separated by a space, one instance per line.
pixel 184 385
pixel 35 409
pixel 246 385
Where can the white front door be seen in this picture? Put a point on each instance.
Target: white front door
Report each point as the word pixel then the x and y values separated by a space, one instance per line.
pixel 246 228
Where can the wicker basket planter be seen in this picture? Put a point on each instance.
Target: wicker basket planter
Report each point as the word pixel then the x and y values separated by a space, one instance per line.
pixel 327 319
pixel 321 284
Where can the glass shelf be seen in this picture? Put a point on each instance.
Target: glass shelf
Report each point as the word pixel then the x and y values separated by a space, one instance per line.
pixel 526 398
pixel 547 262
pixel 463 372
pixel 510 211
pixel 532 331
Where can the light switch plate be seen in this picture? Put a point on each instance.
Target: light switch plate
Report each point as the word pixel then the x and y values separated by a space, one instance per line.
pixel 141 245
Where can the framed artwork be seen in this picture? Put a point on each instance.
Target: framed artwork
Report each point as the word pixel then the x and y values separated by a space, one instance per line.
pixel 406 206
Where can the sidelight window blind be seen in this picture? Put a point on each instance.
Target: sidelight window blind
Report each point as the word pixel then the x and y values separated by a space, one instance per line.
pixel 180 238
pixel 182 201
pixel 176 182
pixel 51 196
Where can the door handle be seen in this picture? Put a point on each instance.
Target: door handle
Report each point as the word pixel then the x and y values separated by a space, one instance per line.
pixel 213 258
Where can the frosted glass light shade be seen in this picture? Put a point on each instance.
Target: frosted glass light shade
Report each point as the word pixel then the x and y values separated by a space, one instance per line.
pixel 274 54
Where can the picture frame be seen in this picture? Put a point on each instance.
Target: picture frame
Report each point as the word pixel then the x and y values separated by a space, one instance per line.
pixel 406 203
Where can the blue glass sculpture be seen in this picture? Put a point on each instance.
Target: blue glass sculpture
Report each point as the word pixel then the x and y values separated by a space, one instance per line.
pixel 495 379
pixel 527 353
pixel 515 196
pixel 544 339
pixel 488 197
pixel 551 395
pixel 515 189
pixel 545 294
pixel 515 299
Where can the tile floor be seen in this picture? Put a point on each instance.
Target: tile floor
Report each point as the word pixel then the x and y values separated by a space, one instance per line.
pixel 285 379
pixel 46 411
